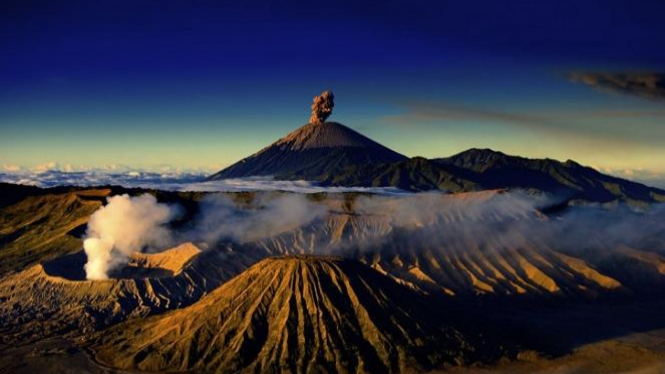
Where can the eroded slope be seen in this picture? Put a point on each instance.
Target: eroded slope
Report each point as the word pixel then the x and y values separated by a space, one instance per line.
pixel 55 299
pixel 297 314
pixel 43 227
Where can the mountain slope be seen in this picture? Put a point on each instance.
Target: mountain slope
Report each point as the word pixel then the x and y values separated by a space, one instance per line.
pixel 414 174
pixel 335 155
pixel 13 193
pixel 54 298
pixel 295 314
pixel 484 169
pixel 489 170
pixel 489 243
pixel 312 152
pixel 44 226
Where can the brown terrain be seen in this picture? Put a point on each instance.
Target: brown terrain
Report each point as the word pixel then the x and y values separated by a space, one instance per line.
pixel 428 291
pixel 296 314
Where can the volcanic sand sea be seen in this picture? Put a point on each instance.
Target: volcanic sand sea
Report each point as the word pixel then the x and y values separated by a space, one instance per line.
pixel 639 353
pixel 50 356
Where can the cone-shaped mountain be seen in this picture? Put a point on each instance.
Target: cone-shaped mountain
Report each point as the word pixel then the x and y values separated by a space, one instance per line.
pixel 312 152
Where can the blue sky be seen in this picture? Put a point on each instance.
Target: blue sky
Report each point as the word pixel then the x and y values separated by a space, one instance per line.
pixel 201 84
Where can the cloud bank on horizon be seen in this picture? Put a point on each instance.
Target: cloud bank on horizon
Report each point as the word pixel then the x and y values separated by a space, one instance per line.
pixel 175 182
pixel 203 102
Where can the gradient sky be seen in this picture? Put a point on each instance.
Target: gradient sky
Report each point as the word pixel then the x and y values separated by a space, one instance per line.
pixel 201 84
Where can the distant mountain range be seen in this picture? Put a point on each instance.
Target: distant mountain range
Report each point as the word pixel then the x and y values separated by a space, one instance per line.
pixel 335 155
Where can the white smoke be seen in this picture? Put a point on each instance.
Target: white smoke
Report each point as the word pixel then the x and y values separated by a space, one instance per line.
pixel 437 208
pixel 267 215
pixel 125 225
pixel 135 224
pixel 426 220
pixel 438 221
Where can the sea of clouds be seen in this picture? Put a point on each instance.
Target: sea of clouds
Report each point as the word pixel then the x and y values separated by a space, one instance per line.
pixel 172 181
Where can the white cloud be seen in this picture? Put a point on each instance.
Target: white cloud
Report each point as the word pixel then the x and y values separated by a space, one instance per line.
pixel 174 182
pixel 51 178
pixel 269 184
pixel 51 174
pixel 648 177
pixel 42 168
pixel 11 168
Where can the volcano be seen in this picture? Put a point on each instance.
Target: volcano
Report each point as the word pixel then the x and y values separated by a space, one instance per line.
pixel 313 152
pixel 334 155
pixel 296 314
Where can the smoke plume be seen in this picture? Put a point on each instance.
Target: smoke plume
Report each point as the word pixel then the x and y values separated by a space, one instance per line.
pixel 454 225
pixel 322 107
pixel 125 225
pixel 351 225
pixel 266 216
pixel 434 221
pixel 136 224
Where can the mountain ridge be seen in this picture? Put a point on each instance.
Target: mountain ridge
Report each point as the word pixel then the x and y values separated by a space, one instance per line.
pixel 491 169
pixel 332 154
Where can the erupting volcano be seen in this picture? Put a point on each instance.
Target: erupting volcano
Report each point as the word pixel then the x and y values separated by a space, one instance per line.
pixel 315 151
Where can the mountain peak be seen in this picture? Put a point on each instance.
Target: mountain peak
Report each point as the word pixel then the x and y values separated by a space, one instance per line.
pixel 312 152
pixel 325 135
pixel 480 153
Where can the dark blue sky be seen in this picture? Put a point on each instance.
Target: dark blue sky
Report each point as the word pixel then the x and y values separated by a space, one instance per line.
pixel 200 84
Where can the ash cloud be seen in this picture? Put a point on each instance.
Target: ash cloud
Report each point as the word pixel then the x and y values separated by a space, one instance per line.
pixel 646 85
pixel 322 107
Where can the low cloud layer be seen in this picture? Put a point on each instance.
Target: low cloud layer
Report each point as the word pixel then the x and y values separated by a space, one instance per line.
pixel 191 181
pixel 54 178
pixel 646 85
pixel 176 182
pixel 268 184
